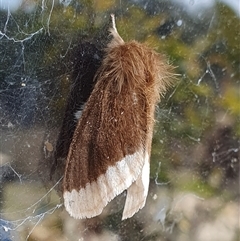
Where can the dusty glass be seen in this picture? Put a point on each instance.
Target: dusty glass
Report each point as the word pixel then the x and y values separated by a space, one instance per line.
pixel 194 185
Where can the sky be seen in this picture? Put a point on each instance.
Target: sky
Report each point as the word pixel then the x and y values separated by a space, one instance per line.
pixel 11 4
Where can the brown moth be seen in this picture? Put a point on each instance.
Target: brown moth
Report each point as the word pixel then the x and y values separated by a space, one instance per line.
pixel 111 145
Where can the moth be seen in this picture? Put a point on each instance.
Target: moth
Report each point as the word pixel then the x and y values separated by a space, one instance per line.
pixel 111 145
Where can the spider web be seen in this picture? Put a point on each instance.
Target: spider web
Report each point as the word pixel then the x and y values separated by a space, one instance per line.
pixel 25 121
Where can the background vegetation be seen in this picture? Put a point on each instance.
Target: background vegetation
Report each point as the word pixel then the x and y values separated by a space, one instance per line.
pixel 195 154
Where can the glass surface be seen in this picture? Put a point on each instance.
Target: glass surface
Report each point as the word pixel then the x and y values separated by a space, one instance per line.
pixel 194 185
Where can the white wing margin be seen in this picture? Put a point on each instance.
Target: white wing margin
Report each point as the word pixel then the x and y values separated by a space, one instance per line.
pixel 130 171
pixel 138 191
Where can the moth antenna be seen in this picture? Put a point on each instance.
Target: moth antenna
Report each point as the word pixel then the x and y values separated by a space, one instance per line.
pixel 113 22
pixel 117 40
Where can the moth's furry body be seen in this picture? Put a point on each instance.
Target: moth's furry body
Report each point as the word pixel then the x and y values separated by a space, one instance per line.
pixel 111 145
